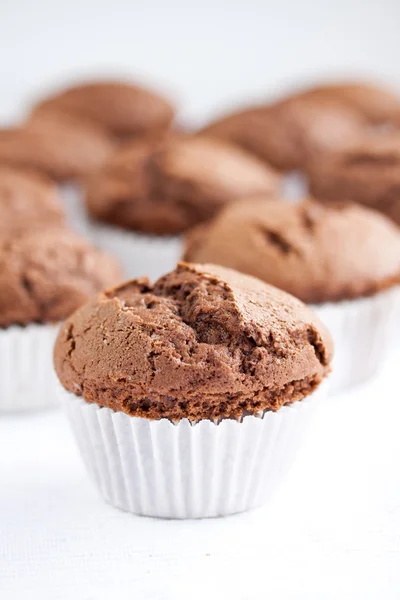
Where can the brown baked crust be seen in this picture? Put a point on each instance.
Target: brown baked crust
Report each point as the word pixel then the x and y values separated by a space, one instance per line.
pixel 316 252
pixel 60 146
pixel 377 104
pixel 27 202
pixel 203 342
pixel 367 173
pixel 120 108
pixel 285 133
pixel 321 118
pixel 167 185
pixel 47 274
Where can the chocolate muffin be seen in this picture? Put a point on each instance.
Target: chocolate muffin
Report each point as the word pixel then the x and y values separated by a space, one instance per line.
pixel 344 259
pixel 184 382
pixel 166 186
pixel 61 147
pixel 47 274
pixel 27 203
pixel 377 104
pixel 315 252
pixel 283 134
pixel 120 108
pixel 367 173
pixel 203 342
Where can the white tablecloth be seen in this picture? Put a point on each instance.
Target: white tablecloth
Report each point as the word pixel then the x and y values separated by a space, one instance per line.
pixel 331 532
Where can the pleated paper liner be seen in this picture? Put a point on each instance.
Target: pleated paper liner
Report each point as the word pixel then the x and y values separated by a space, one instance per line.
pixel 27 379
pixel 364 335
pixel 184 470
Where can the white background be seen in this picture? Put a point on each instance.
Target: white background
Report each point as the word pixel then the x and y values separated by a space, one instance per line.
pixel 333 530
pixel 209 55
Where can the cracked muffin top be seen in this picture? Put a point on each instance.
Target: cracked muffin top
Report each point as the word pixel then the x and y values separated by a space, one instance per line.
pixel 166 186
pixel 120 108
pixel 203 342
pixel 57 145
pixel 46 275
pixel 367 173
pixel 316 252
pixel 27 202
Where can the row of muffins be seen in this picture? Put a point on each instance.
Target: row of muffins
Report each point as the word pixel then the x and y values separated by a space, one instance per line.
pixel 344 137
pixel 160 182
pixel 229 359
pixel 204 358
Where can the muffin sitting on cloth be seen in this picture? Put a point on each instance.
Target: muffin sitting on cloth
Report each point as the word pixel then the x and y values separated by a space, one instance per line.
pixel 345 260
pixel 121 109
pixel 27 202
pixel 164 187
pixel 187 381
pixel 44 276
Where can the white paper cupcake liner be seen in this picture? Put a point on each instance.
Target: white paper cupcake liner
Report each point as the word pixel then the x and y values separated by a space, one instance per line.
pixel 184 470
pixel 27 379
pixel 138 254
pixel 364 335
pixel 71 195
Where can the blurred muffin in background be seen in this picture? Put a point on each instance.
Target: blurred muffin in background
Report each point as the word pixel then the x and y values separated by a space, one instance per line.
pixel 377 104
pixel 60 146
pixel 119 108
pixel 44 276
pixel 28 202
pixel 308 250
pixel 286 133
pixel 367 173
pixel 344 259
pixel 283 134
pixel 164 187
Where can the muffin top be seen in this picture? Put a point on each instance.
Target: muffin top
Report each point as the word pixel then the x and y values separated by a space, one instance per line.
pixel 57 145
pixel 47 274
pixel 202 342
pixel 317 252
pixel 285 133
pixel 368 173
pixel 165 186
pixel 120 108
pixel 27 202
pixel 375 103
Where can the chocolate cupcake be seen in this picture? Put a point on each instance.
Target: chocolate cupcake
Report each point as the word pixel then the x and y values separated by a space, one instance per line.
pixel 287 133
pixel 121 109
pixel 377 104
pixel 27 203
pixel 185 382
pixel 163 187
pixel 62 147
pixel 44 276
pixel 344 260
pixel 367 173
